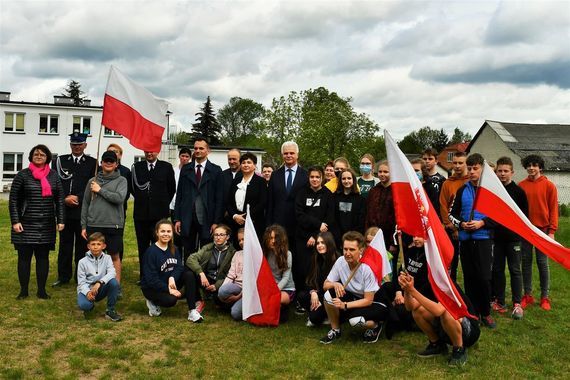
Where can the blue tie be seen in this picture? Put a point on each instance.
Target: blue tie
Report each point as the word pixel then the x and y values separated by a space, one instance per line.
pixel 289 180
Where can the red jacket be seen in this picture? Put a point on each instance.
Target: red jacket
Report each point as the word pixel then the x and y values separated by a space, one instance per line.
pixel 542 203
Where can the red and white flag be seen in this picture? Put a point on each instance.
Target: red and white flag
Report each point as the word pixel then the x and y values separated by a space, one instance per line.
pixel 134 112
pixel 416 216
pixel 493 200
pixel 261 298
pixel 376 257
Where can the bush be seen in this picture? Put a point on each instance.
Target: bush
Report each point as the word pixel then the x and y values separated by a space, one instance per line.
pixel 564 210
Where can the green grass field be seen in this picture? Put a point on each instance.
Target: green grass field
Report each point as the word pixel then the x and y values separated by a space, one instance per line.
pixel 51 339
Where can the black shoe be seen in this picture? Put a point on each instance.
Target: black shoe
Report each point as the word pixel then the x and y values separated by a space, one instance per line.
pixel 22 295
pixel 372 335
pixel 331 336
pixel 458 357
pixel 59 283
pixel 433 349
pixel 113 315
pixel 43 296
pixel 300 310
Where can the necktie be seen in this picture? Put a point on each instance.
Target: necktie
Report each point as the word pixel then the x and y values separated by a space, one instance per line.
pixel 289 180
pixel 151 169
pixel 198 173
pixel 76 160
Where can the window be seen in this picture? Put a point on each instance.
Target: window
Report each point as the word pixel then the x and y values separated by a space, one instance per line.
pixel 82 124
pixel 14 122
pixel 450 156
pixel 12 164
pixel 49 124
pixel 110 132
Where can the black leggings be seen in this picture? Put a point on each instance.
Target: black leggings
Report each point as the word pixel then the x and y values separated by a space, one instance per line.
pixel 25 254
pixel 165 299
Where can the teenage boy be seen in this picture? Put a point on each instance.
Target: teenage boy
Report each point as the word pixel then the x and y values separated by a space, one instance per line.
pixel 475 242
pixel 543 213
pixel 433 180
pixel 96 278
pixel 508 246
pixel 446 196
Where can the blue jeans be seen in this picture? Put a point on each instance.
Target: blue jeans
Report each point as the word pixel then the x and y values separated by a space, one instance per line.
pixel 232 289
pixel 543 270
pixel 109 290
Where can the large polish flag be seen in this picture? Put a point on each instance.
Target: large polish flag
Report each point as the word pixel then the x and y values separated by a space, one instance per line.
pixel 376 257
pixel 493 200
pixel 261 298
pixel 416 217
pixel 134 112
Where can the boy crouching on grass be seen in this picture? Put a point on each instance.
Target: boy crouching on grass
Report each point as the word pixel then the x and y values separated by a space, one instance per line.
pixel 96 278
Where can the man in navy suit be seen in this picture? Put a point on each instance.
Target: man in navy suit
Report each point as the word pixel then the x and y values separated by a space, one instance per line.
pixel 284 185
pixel 198 206
pixel 232 172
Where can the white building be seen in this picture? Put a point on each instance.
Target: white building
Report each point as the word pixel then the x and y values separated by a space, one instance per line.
pixel 25 124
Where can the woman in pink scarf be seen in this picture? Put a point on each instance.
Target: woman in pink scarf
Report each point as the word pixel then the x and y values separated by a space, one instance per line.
pixel 36 211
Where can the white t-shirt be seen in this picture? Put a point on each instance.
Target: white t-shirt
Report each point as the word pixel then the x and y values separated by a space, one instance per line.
pixel 362 281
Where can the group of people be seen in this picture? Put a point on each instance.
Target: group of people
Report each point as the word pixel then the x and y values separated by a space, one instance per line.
pixel 189 228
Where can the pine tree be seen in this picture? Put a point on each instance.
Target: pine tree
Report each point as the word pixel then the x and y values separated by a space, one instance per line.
pixel 73 90
pixel 207 125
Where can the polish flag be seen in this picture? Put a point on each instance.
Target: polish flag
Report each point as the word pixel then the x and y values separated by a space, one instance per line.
pixel 261 298
pixel 416 216
pixel 134 112
pixel 493 200
pixel 376 257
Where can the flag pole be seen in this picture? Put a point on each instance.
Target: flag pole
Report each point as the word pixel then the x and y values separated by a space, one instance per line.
pixel 97 158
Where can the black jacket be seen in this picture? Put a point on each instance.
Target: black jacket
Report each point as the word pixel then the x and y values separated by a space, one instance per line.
pixel 74 179
pixel 519 196
pixel 255 197
pixel 311 209
pixel 280 205
pixel 38 215
pixel 152 193
pixel 349 213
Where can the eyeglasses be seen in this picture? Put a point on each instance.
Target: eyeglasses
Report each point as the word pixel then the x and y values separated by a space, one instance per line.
pixel 220 235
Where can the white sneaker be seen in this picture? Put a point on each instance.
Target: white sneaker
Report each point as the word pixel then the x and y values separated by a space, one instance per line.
pixel 357 321
pixel 195 316
pixel 309 323
pixel 153 310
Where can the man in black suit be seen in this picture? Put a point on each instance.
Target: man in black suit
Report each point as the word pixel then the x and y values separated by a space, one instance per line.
pixel 284 185
pixel 198 207
pixel 153 187
pixel 232 172
pixel 74 170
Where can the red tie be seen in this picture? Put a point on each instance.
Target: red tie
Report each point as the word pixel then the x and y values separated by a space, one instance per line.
pixel 198 174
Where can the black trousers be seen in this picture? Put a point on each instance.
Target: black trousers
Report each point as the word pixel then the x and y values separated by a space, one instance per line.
pixel 70 240
pixel 194 240
pixel 316 316
pixel 165 299
pixel 477 262
pixel 25 253
pixel 144 230
pixel 301 262
pixel 511 252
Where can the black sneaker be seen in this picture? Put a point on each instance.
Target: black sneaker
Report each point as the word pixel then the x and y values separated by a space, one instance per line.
pixel 458 357
pixel 433 349
pixel 331 336
pixel 113 315
pixel 372 335
pixel 300 310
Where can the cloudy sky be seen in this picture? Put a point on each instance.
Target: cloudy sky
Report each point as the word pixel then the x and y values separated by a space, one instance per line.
pixel 406 64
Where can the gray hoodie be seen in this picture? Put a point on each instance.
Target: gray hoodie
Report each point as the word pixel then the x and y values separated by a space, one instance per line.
pixel 92 269
pixel 105 209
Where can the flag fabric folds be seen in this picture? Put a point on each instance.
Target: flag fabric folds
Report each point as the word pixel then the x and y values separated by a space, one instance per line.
pixel 416 216
pixel 376 257
pixel 134 112
pixel 493 200
pixel 261 298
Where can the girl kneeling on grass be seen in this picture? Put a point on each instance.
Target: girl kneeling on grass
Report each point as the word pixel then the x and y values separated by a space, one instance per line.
pixel 164 274
pixel 231 290
pixel 276 250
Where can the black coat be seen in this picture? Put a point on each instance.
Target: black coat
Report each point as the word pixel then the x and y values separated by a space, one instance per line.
pixel 255 197
pixel 349 214
pixel 311 209
pixel 38 215
pixel 280 205
pixel 74 179
pixel 152 194
pixel 226 180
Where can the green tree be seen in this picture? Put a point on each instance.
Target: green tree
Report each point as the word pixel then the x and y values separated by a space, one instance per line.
pixel 207 126
pixel 459 136
pixel 240 120
pixel 73 90
pixel 422 139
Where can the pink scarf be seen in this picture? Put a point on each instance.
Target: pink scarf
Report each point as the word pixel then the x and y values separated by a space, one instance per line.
pixel 41 174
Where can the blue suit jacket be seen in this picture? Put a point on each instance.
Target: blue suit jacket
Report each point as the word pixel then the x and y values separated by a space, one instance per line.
pixel 280 205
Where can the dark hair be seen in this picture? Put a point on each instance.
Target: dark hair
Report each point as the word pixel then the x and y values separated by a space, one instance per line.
pixel 329 163
pixel 430 152
pixel 42 148
pixel 224 227
pixel 200 138
pixel 268 165
pixel 248 156
pixel 316 168
pixel 96 236
pixel 322 264
pixel 533 159
pixel 505 161
pixel 353 188
pixel 475 159
pixel 281 245
pixel 185 150
pixel 171 246
pixel 459 154
pixel 354 236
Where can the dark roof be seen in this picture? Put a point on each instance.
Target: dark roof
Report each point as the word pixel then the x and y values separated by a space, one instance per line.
pixel 551 141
